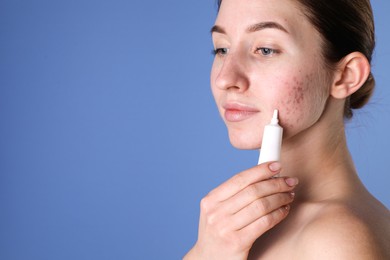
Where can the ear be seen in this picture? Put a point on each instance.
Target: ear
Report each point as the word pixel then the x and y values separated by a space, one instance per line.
pixel 352 72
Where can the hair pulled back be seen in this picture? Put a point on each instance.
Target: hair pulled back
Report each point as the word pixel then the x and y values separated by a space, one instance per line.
pixel 346 26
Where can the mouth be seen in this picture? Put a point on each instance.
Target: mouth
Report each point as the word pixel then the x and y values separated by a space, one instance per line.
pixel 235 112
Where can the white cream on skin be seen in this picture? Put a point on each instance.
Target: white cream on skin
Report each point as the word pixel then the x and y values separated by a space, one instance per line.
pixel 272 141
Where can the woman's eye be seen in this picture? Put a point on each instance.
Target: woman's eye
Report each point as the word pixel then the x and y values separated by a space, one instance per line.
pixel 266 51
pixel 220 51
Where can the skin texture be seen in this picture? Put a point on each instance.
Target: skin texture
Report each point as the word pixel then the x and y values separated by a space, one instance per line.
pixel 330 215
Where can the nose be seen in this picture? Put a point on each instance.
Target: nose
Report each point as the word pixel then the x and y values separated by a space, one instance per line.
pixel 231 74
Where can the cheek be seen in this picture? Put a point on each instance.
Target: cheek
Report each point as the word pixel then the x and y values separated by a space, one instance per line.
pixel 303 102
pixel 216 92
pixel 212 83
pixel 294 99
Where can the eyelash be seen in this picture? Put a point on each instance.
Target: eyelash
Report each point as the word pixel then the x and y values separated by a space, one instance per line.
pixel 218 51
pixel 224 51
pixel 263 49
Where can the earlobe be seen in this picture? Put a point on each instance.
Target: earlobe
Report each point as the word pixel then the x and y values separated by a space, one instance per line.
pixel 353 71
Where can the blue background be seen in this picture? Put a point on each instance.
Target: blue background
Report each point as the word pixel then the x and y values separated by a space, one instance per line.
pixel 109 136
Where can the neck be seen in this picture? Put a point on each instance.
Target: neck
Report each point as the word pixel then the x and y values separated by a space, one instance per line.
pixel 320 159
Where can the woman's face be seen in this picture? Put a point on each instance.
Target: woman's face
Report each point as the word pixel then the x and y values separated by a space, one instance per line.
pixel 268 56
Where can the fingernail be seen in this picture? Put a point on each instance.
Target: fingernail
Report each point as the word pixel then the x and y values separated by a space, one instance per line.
pixel 287 207
pixel 291 181
pixel 275 166
pixel 292 194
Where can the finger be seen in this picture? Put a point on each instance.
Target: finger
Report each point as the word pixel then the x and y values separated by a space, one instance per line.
pixel 256 191
pixel 243 179
pixel 260 208
pixel 257 228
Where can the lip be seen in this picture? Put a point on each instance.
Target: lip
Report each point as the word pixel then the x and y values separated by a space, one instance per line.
pixel 236 112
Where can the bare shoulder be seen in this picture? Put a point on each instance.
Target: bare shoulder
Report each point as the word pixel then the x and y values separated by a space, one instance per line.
pixel 347 231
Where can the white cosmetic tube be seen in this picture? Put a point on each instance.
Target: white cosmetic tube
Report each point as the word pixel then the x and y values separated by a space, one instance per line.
pixel 272 141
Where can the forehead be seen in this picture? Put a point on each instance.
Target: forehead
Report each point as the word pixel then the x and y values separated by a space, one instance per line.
pixel 235 15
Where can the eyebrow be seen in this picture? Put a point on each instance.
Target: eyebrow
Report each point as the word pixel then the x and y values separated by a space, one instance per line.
pixel 252 28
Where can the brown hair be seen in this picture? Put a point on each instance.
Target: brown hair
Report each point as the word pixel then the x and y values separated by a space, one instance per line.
pixel 346 26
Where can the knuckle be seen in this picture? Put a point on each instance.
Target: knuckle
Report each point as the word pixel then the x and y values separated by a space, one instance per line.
pixel 211 219
pixel 277 184
pixel 205 204
pixel 251 191
pixel 224 233
pixel 261 205
pixel 238 180
pixel 209 212
pixel 268 220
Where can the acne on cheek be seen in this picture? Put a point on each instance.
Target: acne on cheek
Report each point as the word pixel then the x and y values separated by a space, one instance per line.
pixel 292 106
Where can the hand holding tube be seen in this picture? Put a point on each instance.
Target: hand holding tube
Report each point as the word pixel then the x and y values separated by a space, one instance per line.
pixel 240 210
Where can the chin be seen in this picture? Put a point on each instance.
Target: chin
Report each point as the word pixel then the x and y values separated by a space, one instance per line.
pixel 244 141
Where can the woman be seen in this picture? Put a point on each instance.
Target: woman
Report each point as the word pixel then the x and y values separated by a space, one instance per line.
pixel 310 60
